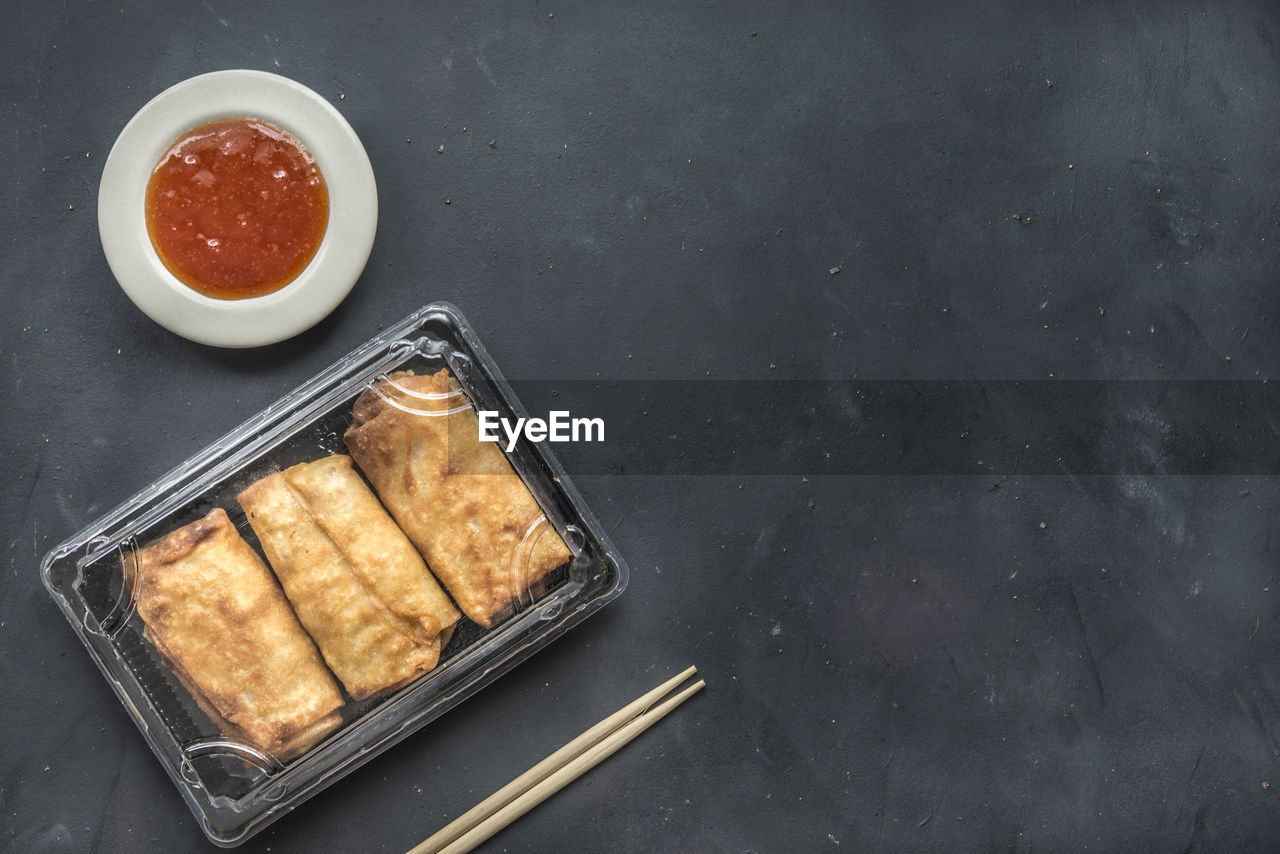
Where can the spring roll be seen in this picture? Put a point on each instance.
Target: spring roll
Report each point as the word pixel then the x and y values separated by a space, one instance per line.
pixel 416 439
pixel 212 609
pixel 357 584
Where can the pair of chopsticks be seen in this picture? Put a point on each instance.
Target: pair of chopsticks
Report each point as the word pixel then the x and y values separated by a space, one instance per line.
pixel 557 770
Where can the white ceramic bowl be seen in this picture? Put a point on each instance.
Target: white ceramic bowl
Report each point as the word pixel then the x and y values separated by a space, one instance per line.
pixel 252 322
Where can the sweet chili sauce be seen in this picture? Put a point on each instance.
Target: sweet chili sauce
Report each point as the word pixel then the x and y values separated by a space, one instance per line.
pixel 236 208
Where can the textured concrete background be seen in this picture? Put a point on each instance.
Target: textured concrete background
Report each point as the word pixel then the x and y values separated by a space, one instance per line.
pixel 936 650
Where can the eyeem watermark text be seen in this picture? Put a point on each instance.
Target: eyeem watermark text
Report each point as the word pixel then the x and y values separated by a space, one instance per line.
pixel 558 426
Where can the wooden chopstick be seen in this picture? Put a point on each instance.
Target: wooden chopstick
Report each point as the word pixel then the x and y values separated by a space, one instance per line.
pixel 557 770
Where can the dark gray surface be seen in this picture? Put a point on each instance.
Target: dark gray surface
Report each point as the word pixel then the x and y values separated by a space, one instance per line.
pixel 941 657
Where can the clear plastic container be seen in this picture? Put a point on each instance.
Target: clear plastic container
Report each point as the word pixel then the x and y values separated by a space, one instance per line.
pixel 234 786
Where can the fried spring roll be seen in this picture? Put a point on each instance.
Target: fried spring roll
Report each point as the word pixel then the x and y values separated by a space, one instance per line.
pixel 357 584
pixel 472 518
pixel 213 610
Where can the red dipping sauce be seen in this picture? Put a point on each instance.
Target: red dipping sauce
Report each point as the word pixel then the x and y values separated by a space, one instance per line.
pixel 236 208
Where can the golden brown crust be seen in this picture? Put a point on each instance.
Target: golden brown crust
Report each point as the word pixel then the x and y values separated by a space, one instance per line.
pixel 356 583
pixel 480 529
pixel 343 505
pixel 213 610
pixel 298 742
